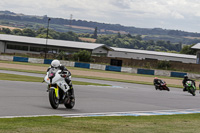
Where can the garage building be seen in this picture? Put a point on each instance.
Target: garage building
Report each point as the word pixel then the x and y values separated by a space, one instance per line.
pixel 151 55
pixel 22 44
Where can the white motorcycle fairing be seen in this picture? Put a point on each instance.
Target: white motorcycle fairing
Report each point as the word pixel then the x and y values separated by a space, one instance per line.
pixel 57 79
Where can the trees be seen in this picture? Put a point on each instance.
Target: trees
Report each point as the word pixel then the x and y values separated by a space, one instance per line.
pixel 17 32
pixel 62 56
pixel 163 65
pixel 82 55
pixel 114 40
pixel 6 30
pixel 136 42
pixel 68 36
pixel 29 32
pixel 187 50
pixel 95 33
pixel 44 36
pixel 138 37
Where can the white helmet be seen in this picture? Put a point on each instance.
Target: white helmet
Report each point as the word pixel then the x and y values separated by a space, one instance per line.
pixel 55 63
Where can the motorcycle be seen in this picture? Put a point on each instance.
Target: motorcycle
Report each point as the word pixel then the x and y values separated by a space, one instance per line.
pixel 162 86
pixel 190 87
pixel 58 89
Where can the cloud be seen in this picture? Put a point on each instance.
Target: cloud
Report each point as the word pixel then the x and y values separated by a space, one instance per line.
pixel 123 4
pixel 177 15
pixel 139 13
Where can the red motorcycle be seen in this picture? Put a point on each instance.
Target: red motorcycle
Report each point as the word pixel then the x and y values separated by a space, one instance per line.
pixel 162 86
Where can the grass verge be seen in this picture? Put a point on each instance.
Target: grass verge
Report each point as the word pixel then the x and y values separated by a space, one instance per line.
pixel 98 78
pixel 77 68
pixel 126 81
pixel 115 124
pixel 14 77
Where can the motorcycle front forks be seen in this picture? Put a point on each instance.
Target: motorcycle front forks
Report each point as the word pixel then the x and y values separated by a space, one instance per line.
pixel 56 89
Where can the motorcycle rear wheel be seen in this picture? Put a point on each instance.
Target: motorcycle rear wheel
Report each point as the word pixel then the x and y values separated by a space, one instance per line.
pixel 53 100
pixel 69 103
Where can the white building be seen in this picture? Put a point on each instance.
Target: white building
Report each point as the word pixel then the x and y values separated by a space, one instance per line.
pixel 22 44
pixel 197 48
pixel 145 54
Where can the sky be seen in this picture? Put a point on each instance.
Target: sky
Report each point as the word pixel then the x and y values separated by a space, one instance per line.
pixel 166 14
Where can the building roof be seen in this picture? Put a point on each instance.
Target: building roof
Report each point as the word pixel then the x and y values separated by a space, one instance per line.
pixel 196 46
pixel 153 53
pixel 51 42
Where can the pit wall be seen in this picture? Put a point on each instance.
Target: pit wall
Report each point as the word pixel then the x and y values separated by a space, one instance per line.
pixel 103 67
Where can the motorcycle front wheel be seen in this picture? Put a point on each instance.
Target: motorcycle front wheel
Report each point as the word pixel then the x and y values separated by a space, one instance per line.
pixel 167 88
pixel 53 100
pixel 192 91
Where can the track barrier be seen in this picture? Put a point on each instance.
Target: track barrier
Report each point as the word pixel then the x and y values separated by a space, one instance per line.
pixel 102 67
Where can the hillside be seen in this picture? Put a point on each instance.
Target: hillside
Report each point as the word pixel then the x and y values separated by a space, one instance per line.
pixel 22 21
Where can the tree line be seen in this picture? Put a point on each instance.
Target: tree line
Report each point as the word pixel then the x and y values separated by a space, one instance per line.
pixel 114 40
pixel 7 15
pixel 136 42
pixel 42 33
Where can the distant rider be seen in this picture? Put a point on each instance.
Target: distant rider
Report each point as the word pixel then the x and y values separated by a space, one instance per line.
pixel 185 80
pixel 56 64
pixel 157 82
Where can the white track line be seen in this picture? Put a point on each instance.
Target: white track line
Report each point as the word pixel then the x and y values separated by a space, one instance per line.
pixel 130 113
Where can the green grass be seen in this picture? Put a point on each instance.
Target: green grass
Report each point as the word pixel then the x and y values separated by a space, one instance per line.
pixel 93 77
pixel 126 81
pixel 83 69
pixel 24 63
pixel 21 70
pixel 14 77
pixel 115 124
pixel 98 78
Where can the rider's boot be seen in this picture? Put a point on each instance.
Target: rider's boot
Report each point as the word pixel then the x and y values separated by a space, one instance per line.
pixel 71 92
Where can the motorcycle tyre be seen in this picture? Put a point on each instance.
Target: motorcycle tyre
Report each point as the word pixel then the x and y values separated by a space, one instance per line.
pixel 53 100
pixel 192 91
pixel 167 88
pixel 156 88
pixel 69 103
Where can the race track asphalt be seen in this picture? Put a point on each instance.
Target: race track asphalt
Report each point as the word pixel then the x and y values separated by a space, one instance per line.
pixel 29 98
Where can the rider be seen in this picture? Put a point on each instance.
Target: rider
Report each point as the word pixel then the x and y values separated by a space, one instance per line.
pixel 56 64
pixel 185 80
pixel 157 82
